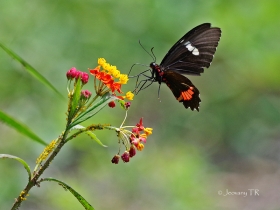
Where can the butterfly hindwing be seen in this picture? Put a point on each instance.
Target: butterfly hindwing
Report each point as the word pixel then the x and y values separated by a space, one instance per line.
pixel 194 51
pixel 183 89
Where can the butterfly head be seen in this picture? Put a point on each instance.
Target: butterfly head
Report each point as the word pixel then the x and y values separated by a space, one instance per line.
pixel 153 65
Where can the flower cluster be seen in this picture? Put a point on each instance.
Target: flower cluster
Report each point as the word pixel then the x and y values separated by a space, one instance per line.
pixel 136 138
pixel 107 82
pixel 107 74
pixel 133 140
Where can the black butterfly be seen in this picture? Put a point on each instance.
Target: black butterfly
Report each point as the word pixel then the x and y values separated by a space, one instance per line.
pixel 190 55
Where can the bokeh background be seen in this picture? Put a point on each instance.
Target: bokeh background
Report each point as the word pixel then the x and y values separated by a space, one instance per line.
pixel 231 145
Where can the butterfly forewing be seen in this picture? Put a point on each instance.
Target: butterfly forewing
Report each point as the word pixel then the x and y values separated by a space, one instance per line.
pixel 194 51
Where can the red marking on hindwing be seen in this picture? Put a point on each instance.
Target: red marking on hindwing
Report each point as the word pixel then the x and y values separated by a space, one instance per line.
pixel 186 95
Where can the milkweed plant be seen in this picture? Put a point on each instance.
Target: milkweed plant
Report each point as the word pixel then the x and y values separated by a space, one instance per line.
pixel 85 104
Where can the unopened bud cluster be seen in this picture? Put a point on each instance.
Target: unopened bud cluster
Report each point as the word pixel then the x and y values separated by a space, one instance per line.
pixel 73 73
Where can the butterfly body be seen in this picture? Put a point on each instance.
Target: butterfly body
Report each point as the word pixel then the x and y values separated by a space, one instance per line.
pixel 189 55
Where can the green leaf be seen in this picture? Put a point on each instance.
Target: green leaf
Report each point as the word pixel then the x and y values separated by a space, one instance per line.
pixel 90 133
pixel 30 69
pixel 76 98
pixel 80 198
pixel 21 128
pixel 25 165
pixel 94 137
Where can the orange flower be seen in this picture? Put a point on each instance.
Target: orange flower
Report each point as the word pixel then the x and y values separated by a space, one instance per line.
pixel 106 73
pixel 105 78
pixel 115 86
pixel 94 71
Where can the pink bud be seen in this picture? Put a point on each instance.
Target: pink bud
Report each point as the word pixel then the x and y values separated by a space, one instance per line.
pixel 78 74
pixel 127 105
pixel 71 73
pixel 125 156
pixel 85 94
pixel 84 77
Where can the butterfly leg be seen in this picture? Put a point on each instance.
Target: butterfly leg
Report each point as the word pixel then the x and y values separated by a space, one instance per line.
pixel 143 82
pixel 142 73
pixel 142 85
pixel 159 91
pixel 137 74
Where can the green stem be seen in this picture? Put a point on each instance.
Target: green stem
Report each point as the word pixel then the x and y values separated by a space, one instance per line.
pixel 34 180
pixel 95 97
pixel 86 115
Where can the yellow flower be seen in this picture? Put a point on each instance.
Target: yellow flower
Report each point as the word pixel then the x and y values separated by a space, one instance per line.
pixel 129 95
pixel 116 73
pixel 148 131
pixel 101 61
pixel 143 135
pixel 123 78
pixel 112 69
pixel 106 66
pixel 140 147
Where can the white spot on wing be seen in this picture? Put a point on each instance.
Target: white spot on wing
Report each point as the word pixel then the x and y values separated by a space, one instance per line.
pixel 195 51
pixel 191 48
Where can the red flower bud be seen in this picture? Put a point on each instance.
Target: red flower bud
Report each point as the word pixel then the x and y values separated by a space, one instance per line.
pixel 132 151
pixel 112 104
pixel 115 159
pixel 125 156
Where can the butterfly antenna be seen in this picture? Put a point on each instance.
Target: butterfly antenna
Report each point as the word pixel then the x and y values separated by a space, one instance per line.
pixel 152 55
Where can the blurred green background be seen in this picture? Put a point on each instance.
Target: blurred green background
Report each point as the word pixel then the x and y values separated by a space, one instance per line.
pixel 232 144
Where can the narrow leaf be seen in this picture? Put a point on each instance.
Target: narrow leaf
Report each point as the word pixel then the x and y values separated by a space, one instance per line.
pixel 94 137
pixel 25 165
pixel 80 198
pixel 90 133
pixel 76 98
pixel 30 69
pixel 21 128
